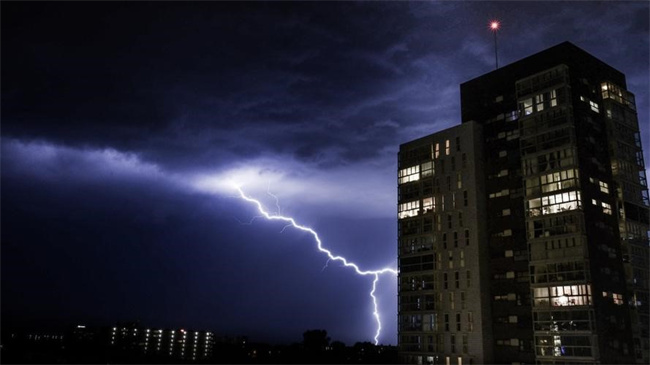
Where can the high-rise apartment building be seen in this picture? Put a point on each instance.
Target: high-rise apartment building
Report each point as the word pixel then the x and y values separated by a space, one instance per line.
pixel 555 210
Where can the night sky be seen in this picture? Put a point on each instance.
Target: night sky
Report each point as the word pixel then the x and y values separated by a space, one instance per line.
pixel 123 125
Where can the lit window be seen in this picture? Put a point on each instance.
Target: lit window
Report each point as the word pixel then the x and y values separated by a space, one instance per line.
pixel 594 106
pixel 604 187
pixel 560 296
pixel 409 174
pixel 447 147
pixel 607 209
pixel 552 204
pixel 527 106
pixel 618 298
pixel 426 169
pixel 427 205
pixel 501 193
pixel 553 97
pixel 539 102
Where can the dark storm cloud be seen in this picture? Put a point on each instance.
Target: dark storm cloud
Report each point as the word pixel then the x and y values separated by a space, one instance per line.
pixel 215 75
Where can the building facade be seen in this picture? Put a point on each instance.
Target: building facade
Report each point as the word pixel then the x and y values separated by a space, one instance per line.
pixel 562 197
pixel 443 266
pixel 179 344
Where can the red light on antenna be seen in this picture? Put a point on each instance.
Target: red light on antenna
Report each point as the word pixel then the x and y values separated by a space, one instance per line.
pixel 495 25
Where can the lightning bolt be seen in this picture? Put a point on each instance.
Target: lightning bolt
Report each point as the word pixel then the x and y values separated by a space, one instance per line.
pixel 331 257
pixel 277 201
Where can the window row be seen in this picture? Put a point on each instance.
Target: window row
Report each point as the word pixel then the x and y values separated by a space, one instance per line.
pixel 431 301
pixel 555 226
pixel 435 242
pixel 552 204
pixel 563 295
pixel 538 102
pixel 549 161
pixel 555 181
pixel 558 272
pixel 409 174
pixel 544 122
pixel 548 140
pixel 433 168
pixel 563 320
pixel 560 345
pixel 604 187
pixel 430 222
pixel 616 298
pixel 607 208
pixel 434 343
pixel 611 91
pixel 592 104
pixel 426 262
pixel 431 322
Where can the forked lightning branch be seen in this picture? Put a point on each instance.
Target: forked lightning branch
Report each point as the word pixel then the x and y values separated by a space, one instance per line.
pixel 331 257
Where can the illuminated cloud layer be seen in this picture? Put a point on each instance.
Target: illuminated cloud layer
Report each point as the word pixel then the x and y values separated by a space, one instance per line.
pixel 292 180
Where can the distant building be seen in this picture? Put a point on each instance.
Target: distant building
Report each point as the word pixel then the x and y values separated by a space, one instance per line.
pixel 523 232
pixel 179 344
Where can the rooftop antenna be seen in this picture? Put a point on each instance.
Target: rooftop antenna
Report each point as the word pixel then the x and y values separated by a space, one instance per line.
pixel 494 27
